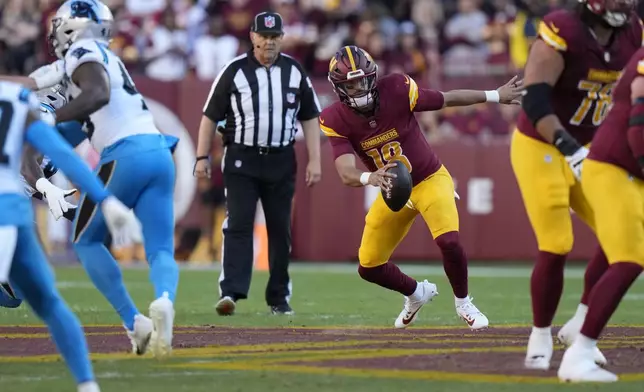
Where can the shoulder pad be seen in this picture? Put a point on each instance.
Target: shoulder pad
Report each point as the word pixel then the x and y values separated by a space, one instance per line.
pixel 560 30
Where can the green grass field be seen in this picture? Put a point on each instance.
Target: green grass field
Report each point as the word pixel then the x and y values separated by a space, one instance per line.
pixel 323 296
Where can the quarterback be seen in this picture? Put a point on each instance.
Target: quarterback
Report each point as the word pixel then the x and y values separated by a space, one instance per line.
pixel 374 119
pixel 616 163
pixel 570 74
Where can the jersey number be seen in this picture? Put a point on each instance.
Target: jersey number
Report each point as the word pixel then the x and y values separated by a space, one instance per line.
pixel 128 84
pixel 389 152
pixel 6 115
pixel 598 95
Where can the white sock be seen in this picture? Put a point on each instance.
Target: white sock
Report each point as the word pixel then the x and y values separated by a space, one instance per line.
pixel 580 314
pixel 418 293
pixel 89 386
pixel 542 331
pixel 585 342
pixel 461 301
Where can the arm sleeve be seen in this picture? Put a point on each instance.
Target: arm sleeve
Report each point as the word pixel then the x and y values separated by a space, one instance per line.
pixel 310 105
pixel 218 101
pixel 46 140
pixel 72 132
pixel 423 99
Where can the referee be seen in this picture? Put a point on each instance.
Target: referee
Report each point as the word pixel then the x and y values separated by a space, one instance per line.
pixel 260 96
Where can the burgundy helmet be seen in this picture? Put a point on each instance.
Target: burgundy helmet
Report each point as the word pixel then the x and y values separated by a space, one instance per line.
pixel 353 74
pixel 615 13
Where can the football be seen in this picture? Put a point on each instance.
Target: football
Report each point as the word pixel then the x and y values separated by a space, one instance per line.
pixel 400 191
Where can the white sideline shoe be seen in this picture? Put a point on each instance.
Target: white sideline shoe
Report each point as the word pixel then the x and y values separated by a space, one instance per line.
pixel 90 386
pixel 162 315
pixel 474 318
pixel 569 332
pixel 141 334
pixel 424 293
pixel 578 364
pixel 540 348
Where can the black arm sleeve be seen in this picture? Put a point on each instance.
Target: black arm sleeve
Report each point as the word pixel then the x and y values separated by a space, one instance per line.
pixel 310 105
pixel 218 101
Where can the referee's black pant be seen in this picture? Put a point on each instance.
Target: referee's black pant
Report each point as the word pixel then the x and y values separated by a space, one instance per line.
pixel 251 174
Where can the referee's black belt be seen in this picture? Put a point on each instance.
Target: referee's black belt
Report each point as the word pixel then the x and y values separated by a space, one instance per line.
pixel 262 150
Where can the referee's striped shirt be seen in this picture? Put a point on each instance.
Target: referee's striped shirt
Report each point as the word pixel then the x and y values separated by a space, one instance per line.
pixel 261 105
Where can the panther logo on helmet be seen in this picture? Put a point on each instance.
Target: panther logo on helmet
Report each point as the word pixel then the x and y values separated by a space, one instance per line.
pixel 77 19
pixel 353 74
pixel 614 12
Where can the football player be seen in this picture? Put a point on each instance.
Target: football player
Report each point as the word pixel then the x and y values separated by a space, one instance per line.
pixel 375 120
pixel 36 171
pixel 569 77
pixel 135 162
pixel 22 259
pixel 613 182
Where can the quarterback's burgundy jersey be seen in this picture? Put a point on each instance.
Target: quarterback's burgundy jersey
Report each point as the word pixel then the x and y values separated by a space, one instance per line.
pixel 392 133
pixel 582 96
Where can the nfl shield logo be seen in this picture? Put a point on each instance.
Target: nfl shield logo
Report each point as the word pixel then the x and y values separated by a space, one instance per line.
pixel 290 97
pixel 269 21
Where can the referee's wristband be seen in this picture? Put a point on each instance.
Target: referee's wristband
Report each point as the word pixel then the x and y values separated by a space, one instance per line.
pixel 202 157
pixel 492 96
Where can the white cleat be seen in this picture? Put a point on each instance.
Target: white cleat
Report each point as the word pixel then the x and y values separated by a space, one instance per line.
pixel 140 336
pixel 577 365
pixel 540 348
pixel 424 293
pixel 89 386
pixel 474 318
pixel 162 315
pixel 569 332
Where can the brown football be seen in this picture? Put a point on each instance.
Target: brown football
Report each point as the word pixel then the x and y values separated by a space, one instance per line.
pixel 399 194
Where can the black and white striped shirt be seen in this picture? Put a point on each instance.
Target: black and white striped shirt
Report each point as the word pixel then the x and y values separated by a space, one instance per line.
pixel 261 105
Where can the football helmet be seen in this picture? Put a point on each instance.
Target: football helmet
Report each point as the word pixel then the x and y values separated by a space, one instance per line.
pixel 353 74
pixel 77 19
pixel 614 12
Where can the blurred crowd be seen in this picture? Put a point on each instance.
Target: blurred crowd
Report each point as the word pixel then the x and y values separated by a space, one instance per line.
pixel 440 43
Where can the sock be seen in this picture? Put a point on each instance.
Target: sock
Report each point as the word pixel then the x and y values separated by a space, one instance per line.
pixel 546 287
pixel 597 266
pixel 106 275
pixel 585 342
pixel 164 274
pixel 606 296
pixel 581 312
pixel 454 262
pixel 418 293
pixel 542 331
pixel 390 277
pixel 461 301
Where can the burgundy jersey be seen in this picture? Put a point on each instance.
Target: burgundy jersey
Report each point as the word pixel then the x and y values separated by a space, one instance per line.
pixel 611 142
pixel 393 133
pixel 582 95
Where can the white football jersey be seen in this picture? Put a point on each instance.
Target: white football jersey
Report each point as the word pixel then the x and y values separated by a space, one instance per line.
pixel 126 113
pixel 15 104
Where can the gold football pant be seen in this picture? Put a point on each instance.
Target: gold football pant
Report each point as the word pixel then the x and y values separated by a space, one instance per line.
pixel 617 198
pixel 549 189
pixel 384 229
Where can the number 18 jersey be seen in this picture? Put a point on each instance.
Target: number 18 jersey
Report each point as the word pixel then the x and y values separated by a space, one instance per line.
pixel 581 97
pixel 126 114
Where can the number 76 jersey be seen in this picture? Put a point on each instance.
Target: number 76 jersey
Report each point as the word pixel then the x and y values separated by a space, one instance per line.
pixel 126 114
pixel 581 97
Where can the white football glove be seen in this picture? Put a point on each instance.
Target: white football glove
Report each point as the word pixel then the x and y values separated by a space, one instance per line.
pixel 49 75
pixel 456 196
pixel 119 220
pixel 576 160
pixel 55 197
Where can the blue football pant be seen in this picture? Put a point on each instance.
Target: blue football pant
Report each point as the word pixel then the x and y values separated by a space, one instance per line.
pixel 33 278
pixel 144 182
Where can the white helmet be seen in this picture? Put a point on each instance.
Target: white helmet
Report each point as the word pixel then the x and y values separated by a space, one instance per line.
pixel 77 19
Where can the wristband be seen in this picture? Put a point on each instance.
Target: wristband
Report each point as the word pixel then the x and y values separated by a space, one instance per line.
pixel 492 96
pixel 202 157
pixel 565 143
pixel 364 178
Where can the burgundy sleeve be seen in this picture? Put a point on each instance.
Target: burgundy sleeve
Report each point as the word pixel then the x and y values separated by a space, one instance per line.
pixel 429 100
pixel 636 141
pixel 340 146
